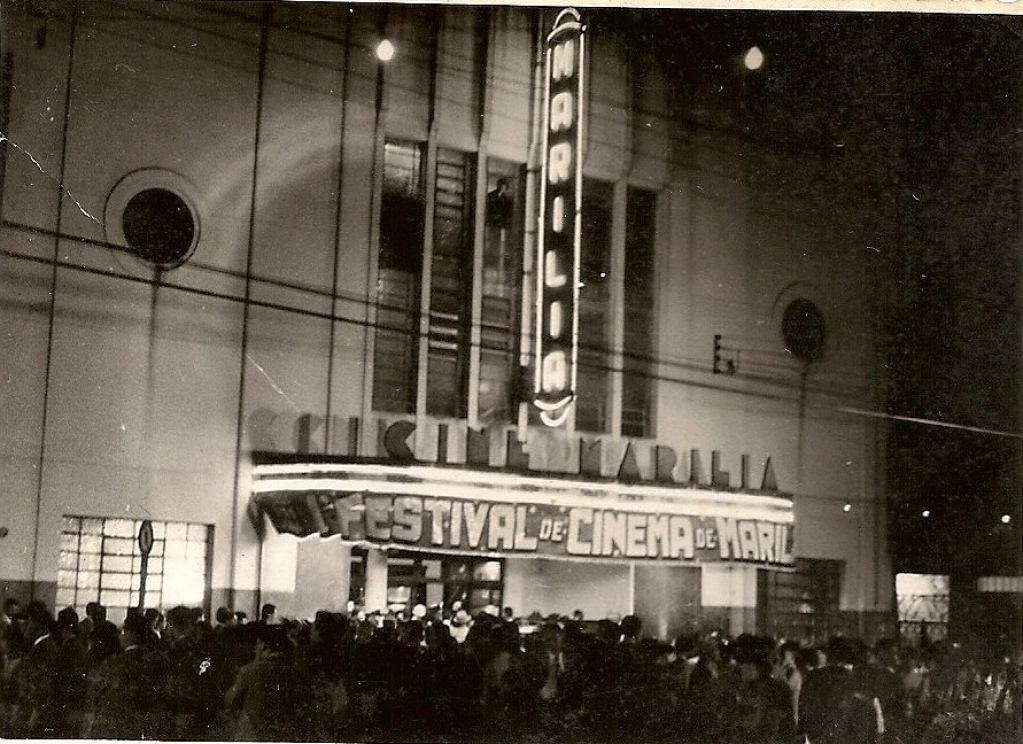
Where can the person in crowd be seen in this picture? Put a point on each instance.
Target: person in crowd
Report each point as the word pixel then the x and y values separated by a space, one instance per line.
pixel 496 688
pixel 836 705
pixel 157 624
pixel 12 642
pixel 104 641
pixel 406 678
pixel 709 697
pixel 884 679
pixel 267 700
pixel 461 622
pixel 324 662
pixel 763 709
pixel 268 614
pixel 11 609
pixel 790 668
pixel 126 692
pixel 35 676
pixel 69 683
pixel 225 619
pixel 95 614
pixel 190 687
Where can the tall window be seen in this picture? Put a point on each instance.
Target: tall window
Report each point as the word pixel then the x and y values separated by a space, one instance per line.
pixel 402 226
pixel 637 387
pixel 100 561
pixel 451 284
pixel 502 282
pixel 594 307
pixel 449 291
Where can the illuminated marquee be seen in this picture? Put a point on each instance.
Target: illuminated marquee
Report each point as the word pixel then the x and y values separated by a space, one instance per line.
pixel 458 510
pixel 557 267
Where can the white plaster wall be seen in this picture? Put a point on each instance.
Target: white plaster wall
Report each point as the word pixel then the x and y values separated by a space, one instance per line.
pixel 598 589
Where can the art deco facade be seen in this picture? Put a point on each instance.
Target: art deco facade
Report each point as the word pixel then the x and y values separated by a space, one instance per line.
pixel 240 250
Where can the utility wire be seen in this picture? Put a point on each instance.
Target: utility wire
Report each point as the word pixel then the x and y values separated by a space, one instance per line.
pixel 410 329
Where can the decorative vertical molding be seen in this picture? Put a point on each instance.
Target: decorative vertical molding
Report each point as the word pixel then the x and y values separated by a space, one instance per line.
pixel 617 352
pixel 367 443
pixel 530 235
pixel 426 279
pixel 619 212
pixel 53 300
pixel 264 34
pixel 484 74
pixel 328 436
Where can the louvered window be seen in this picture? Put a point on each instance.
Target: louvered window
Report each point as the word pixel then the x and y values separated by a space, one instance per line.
pixel 450 285
pixel 402 221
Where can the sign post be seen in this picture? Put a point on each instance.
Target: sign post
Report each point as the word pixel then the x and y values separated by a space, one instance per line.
pixel 146 547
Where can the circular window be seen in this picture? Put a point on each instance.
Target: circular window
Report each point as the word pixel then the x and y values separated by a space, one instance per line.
pixel 151 213
pixel 159 226
pixel 802 328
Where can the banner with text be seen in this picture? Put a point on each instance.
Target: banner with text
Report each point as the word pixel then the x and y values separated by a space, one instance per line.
pixel 542 530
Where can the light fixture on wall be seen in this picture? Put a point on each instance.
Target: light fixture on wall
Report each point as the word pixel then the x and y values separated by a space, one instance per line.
pixel 753 59
pixel 385 50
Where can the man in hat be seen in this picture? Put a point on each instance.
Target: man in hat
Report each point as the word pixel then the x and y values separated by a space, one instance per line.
pixel 459 627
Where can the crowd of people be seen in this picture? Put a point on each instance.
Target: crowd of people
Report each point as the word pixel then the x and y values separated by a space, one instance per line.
pixel 435 675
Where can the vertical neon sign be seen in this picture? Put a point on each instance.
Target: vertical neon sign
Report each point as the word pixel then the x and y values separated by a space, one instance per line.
pixel 561 183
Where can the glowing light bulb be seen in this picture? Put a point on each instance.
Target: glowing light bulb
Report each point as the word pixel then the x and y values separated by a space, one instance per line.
pixel 926 513
pixel 1006 519
pixel 754 58
pixel 385 51
pixel 847 507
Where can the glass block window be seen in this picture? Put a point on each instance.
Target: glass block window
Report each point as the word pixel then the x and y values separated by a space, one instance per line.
pixel 100 561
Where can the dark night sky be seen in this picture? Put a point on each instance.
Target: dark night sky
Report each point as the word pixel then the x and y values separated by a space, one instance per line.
pixel 923 113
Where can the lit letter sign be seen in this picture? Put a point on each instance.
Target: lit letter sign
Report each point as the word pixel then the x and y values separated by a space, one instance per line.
pixel 557 281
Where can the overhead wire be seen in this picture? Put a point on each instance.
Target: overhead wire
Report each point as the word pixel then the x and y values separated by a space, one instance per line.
pixel 602 351
pixel 494 79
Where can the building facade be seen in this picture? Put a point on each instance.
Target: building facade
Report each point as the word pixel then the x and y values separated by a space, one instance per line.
pixel 278 296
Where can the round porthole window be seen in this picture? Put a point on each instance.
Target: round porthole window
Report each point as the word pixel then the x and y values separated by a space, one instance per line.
pixel 803 330
pixel 159 227
pixel 152 214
